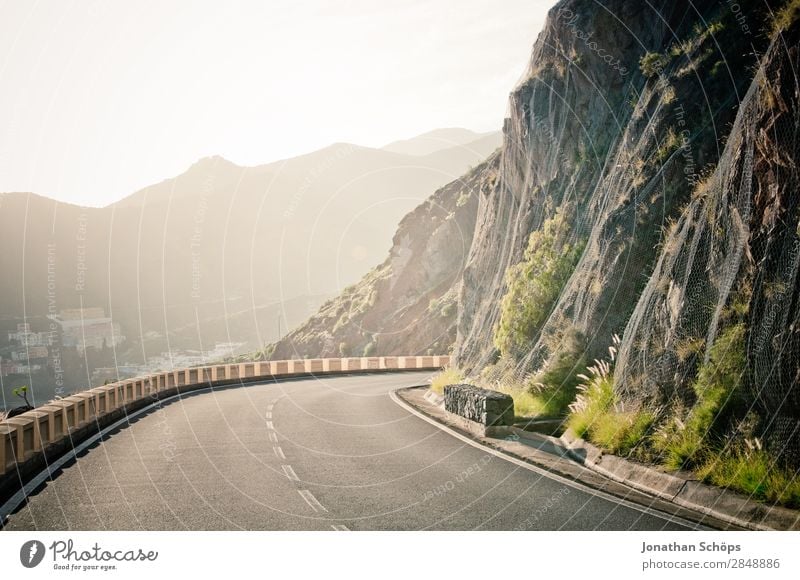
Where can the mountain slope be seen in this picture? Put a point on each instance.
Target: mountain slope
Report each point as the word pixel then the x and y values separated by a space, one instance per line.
pixel 407 303
pixel 439 139
pixel 178 262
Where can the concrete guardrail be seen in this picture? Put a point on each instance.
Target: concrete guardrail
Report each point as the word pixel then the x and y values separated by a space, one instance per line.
pixel 29 439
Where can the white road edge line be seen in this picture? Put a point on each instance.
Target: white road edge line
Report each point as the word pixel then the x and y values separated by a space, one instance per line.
pixel 287 469
pixel 543 472
pixel 340 528
pixel 278 452
pixel 311 500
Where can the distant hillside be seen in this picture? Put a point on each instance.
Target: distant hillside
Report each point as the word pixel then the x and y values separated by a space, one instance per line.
pixel 407 303
pixel 220 252
pixel 440 139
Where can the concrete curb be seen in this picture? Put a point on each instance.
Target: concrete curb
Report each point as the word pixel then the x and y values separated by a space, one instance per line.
pixel 523 460
pixel 674 488
pixel 682 489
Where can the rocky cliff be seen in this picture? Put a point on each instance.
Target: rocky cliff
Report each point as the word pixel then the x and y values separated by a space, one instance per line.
pixel 646 189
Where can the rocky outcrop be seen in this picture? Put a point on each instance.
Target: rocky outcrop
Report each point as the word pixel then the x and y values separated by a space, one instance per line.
pixel 482 406
pixel 408 303
pixel 592 135
pixel 646 188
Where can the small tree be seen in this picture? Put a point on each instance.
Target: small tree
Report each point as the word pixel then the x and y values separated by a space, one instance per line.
pixel 22 393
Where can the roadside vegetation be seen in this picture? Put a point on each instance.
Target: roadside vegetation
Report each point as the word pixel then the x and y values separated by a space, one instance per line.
pixel 718 386
pixel 599 416
pixel 448 376
pixel 710 439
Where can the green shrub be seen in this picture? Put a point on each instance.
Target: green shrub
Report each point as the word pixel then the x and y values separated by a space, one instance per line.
pixel 448 376
pixel 671 143
pixel 448 310
pixel 535 284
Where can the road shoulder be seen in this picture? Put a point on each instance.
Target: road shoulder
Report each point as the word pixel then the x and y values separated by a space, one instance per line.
pixel 553 456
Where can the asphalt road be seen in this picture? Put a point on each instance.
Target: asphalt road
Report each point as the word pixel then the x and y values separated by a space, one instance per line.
pixel 333 453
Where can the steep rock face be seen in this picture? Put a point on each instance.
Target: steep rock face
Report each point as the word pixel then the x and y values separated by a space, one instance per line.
pixel 616 151
pixel 408 303
pixel 733 258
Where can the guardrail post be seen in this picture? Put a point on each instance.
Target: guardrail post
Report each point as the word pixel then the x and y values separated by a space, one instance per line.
pixel 36 417
pixel 264 369
pixel 23 438
pixel 7 446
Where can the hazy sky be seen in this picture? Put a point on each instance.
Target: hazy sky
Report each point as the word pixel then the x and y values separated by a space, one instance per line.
pixel 100 98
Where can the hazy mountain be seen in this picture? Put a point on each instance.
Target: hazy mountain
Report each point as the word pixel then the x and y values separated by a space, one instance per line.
pixel 218 252
pixel 439 139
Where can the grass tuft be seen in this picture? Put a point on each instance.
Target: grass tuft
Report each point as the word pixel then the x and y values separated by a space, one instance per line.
pixel 753 472
pixel 717 388
pixel 448 376
pixel 784 17
pixel 593 402
pixel 620 432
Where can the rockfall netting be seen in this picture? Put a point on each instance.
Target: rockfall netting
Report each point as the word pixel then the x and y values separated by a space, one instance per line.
pixel 733 258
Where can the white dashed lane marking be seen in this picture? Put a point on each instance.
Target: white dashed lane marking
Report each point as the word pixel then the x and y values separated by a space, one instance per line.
pixel 311 500
pixel 340 528
pixel 278 452
pixel 273 437
pixel 270 425
pixel 287 469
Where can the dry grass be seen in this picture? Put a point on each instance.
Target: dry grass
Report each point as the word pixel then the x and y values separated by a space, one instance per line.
pixel 448 376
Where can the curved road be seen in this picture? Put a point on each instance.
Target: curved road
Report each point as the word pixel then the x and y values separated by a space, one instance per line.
pixel 332 453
